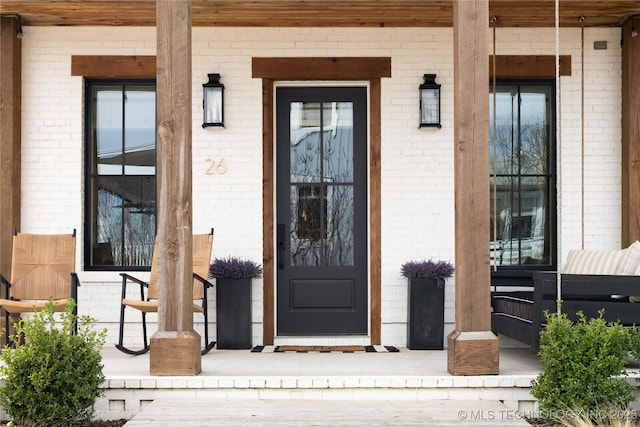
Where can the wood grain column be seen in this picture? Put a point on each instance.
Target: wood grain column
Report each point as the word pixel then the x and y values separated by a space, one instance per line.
pixel 10 137
pixel 472 347
pixel 630 134
pixel 175 348
pixel 268 213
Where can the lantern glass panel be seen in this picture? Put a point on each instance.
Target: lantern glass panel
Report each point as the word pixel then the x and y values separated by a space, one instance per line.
pixel 430 101
pixel 213 104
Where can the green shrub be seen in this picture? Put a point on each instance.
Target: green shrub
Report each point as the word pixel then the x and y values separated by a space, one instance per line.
pixel 55 377
pixel 635 342
pixel 583 366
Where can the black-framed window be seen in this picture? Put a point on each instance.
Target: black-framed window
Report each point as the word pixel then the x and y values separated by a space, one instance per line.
pixel 522 176
pixel 120 195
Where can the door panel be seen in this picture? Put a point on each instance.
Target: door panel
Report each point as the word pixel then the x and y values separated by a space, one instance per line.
pixel 321 294
pixel 321 203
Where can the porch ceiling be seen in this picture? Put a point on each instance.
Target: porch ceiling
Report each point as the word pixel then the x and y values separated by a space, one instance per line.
pixel 319 13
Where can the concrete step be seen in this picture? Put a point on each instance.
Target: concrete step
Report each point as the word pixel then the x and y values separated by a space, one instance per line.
pixel 288 412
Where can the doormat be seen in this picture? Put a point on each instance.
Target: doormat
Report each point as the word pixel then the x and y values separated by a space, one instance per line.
pixel 324 349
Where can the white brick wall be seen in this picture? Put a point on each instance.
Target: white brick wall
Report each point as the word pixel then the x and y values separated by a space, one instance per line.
pixel 417 164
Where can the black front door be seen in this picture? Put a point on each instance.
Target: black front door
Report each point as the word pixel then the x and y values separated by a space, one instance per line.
pixel 321 203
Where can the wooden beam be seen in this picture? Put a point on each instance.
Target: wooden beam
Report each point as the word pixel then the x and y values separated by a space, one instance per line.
pixel 630 136
pixel 175 348
pixel 268 214
pixel 324 68
pixel 10 137
pixel 375 204
pixel 320 13
pixel 113 66
pixel 472 347
pixel 529 66
pixel 471 160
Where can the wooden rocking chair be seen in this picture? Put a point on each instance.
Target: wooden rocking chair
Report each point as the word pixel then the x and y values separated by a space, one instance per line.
pixel 42 268
pixel 202 245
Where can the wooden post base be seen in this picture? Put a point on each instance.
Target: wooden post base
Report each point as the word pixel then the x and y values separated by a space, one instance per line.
pixel 473 353
pixel 175 353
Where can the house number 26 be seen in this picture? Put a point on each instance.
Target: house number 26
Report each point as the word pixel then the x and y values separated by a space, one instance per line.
pixel 214 168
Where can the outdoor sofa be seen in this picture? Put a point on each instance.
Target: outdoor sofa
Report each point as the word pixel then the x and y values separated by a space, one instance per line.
pixel 591 280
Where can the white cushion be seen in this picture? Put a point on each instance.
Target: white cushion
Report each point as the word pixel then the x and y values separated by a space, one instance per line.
pixel 593 261
pixel 630 261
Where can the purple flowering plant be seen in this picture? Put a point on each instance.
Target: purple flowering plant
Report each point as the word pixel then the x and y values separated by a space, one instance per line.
pixel 234 268
pixel 429 269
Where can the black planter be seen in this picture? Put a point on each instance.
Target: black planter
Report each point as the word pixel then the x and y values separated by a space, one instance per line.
pixel 425 322
pixel 233 313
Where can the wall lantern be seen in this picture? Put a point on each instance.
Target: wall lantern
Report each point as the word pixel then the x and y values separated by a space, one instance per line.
pixel 213 102
pixel 430 102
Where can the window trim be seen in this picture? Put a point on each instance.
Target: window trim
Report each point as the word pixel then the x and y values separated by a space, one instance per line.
pixel 89 83
pixel 525 271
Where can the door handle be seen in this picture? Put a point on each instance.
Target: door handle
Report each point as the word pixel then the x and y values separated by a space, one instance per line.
pixel 281 246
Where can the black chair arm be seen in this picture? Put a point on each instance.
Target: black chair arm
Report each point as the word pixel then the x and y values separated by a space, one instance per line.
pixel 205 282
pixel 126 277
pixel 75 279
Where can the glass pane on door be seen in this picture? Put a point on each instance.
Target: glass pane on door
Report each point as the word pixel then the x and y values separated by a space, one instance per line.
pixel 321 183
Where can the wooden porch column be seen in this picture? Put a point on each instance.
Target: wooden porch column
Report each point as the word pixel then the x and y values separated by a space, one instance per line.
pixel 10 136
pixel 472 347
pixel 175 348
pixel 630 135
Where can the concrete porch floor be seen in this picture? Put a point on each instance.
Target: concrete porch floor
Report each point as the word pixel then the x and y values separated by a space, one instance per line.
pixel 260 382
pixel 230 363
